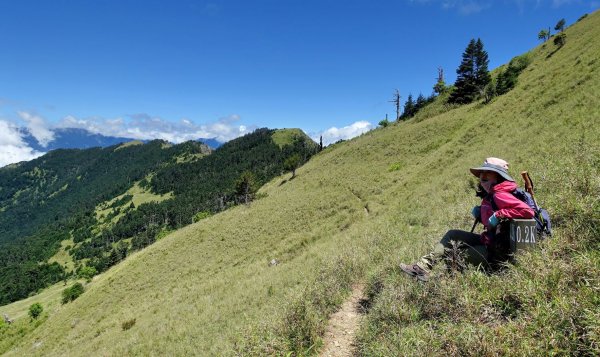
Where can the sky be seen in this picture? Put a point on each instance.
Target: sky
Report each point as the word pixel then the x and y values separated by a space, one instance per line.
pixel 180 70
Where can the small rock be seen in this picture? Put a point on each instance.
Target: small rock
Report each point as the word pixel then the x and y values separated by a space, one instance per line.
pixel 273 262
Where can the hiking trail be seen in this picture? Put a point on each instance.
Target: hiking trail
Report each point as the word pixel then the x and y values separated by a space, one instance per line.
pixel 343 325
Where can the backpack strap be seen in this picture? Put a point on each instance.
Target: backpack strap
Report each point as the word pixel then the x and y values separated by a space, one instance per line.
pixel 491 198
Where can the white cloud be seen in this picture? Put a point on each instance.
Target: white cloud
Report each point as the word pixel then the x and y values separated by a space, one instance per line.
pixel 37 127
pixel 12 147
pixel 559 3
pixel 334 134
pixel 464 7
pixel 145 127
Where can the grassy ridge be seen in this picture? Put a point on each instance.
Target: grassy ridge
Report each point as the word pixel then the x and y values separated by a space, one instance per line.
pixel 355 211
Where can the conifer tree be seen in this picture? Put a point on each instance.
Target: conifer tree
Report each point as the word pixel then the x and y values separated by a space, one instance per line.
pixel 465 80
pixel 560 25
pixel 482 74
pixel 421 102
pixel 409 107
pixel 472 74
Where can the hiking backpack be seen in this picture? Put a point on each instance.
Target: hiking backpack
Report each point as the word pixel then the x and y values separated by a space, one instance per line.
pixel 541 216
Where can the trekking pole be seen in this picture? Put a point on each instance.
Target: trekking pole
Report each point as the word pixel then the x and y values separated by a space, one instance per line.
pixel 474 225
pixel 529 186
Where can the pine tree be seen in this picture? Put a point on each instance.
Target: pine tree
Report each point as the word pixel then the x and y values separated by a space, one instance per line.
pixel 472 74
pixel 409 107
pixel 465 81
pixel 482 74
pixel 544 35
pixel 421 102
pixel 560 25
pixel 245 187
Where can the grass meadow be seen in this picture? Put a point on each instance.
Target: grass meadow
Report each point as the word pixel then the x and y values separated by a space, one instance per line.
pixel 353 213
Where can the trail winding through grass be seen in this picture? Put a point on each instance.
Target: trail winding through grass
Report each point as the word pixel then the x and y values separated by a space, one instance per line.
pixel 339 337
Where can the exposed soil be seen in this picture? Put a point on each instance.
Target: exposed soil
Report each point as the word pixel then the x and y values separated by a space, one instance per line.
pixel 339 337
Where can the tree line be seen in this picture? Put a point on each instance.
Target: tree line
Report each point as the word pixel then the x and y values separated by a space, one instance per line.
pixel 474 81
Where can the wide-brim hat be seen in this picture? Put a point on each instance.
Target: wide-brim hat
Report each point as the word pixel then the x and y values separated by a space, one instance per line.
pixel 493 164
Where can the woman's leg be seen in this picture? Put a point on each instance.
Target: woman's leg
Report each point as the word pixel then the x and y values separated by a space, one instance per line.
pixel 476 253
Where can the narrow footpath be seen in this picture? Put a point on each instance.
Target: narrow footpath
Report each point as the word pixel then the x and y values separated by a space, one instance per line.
pixel 343 325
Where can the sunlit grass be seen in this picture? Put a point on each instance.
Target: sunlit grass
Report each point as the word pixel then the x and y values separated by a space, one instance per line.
pixel 63 257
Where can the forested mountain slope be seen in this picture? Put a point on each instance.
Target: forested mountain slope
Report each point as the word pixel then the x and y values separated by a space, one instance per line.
pixel 86 197
pixel 354 212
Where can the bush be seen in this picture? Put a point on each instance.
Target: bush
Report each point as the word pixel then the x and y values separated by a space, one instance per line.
pixel 507 79
pixel 87 273
pixel 72 293
pixel 560 39
pixel 201 215
pixel 35 310
pixel 128 324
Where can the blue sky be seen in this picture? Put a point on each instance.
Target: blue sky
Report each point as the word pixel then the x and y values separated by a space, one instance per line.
pixel 174 69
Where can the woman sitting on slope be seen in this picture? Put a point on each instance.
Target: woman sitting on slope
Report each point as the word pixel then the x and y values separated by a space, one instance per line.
pixel 498 186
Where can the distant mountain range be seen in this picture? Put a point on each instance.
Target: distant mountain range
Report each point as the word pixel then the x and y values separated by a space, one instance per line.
pixel 74 138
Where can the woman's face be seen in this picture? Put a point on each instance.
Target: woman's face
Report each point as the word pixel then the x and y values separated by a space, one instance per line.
pixel 488 179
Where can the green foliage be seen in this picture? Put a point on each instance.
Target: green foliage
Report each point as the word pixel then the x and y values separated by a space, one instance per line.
pixel 395 166
pixel 544 35
pixel 472 74
pixel 72 293
pixel 507 78
pixel 412 107
pixel 246 187
pixel 35 310
pixel 560 39
pixel 384 123
pixel 440 87
pixel 409 107
pixel 87 273
pixel 201 215
pixel 291 163
pixel 490 91
pixel 560 25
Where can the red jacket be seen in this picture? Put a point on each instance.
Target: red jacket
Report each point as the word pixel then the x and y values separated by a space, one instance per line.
pixel 508 207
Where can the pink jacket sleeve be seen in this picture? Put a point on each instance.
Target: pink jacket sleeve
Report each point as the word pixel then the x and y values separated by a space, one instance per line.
pixel 511 207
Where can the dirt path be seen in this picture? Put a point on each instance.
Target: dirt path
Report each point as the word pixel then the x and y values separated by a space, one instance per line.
pixel 339 337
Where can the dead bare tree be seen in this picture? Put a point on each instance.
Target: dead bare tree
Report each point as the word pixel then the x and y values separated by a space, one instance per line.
pixel 396 101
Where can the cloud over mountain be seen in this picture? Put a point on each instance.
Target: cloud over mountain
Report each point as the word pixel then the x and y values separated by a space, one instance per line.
pixel 12 147
pixel 334 134
pixel 145 127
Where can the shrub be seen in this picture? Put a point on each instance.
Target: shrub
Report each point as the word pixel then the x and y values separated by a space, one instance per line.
pixel 72 293
pixel 384 123
pixel 560 39
pixel 128 324
pixel 200 216
pixel 507 79
pixel 35 310
pixel 87 273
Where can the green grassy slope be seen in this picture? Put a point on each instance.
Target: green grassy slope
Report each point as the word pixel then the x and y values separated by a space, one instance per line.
pixel 353 212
